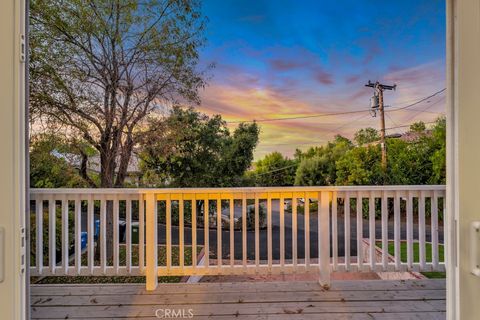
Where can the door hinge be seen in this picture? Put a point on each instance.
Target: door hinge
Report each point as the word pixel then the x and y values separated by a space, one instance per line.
pixel 22 48
pixel 22 250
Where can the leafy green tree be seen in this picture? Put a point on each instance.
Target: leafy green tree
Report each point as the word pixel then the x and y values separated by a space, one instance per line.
pixel 311 172
pixel 191 149
pixel 360 166
pixel 421 160
pixel 366 135
pixel 274 170
pixel 439 156
pixel 318 165
pixel 49 167
pixel 418 126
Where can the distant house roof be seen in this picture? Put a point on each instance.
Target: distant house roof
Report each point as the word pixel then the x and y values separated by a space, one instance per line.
pixel 408 136
pixel 413 135
pixel 94 162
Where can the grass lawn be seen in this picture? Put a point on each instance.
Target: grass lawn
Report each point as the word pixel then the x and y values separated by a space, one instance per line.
pixel 416 255
pixel 162 257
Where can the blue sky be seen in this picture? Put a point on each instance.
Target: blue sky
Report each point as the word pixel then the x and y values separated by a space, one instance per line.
pixel 279 59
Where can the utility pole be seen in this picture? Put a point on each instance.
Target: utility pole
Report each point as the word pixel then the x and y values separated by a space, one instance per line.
pixel 377 104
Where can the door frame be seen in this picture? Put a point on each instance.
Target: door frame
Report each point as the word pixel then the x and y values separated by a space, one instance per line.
pixel 452 169
pixel 13 185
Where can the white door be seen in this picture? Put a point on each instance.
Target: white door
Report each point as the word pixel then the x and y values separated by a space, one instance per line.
pixel 12 162
pixel 463 176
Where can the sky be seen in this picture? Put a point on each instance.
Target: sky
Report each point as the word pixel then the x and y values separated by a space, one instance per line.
pixel 284 59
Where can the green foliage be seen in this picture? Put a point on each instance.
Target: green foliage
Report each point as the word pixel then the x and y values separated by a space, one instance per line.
pixel 48 165
pixel 318 164
pixel 418 126
pixel 360 166
pixel 366 135
pixel 191 149
pixel 438 158
pixel 273 170
pixel 420 161
pixel 262 218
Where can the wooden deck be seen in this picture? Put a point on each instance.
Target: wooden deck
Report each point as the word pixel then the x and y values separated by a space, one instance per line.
pixel 366 299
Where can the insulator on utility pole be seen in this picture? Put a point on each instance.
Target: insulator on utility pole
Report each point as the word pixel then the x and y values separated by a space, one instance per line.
pixel 376 103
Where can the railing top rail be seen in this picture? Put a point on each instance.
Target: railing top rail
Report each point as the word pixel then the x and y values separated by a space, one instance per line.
pixel 237 190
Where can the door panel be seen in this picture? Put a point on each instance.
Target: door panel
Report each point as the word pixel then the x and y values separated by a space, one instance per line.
pixel 464 162
pixel 12 162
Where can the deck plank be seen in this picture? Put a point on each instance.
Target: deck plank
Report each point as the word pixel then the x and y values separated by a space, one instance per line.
pixel 375 299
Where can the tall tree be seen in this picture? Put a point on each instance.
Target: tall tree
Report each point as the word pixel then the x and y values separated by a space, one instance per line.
pixel 366 135
pixel 191 149
pixel 99 67
pixel 274 170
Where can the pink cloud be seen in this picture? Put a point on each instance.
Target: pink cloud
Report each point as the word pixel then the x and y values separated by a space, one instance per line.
pixel 240 95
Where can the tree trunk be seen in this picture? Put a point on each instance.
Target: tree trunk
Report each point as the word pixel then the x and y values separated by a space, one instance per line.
pixel 107 173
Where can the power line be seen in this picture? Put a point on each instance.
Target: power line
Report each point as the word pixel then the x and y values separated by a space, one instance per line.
pixel 300 117
pixel 275 170
pixel 419 101
pixel 407 125
pixel 335 113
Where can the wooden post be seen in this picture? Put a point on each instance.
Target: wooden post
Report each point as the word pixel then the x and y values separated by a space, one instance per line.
pixel 324 238
pixel 151 237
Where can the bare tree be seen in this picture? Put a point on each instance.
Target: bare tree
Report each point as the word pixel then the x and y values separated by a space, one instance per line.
pixel 100 67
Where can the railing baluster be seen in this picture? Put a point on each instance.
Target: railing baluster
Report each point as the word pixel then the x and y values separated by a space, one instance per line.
pixel 39 225
pixel 396 213
pixel 384 205
pixel 371 229
pixel 194 232
pixel 294 232
pixel 421 223
pixel 444 223
pixel 257 231
pixel 269 232
pixel 103 234
pixel 359 231
pixel 90 233
pixel 219 232
pixel 244 230
pixel 434 230
pixel 307 229
pixel 152 244
pixel 52 215
pixel 116 209
pixel 128 238
pixel 181 240
pixel 335 230
pixel 231 203
pixel 347 230
pixel 206 232
pixel 410 230
pixel 324 237
pixel 282 233
pixel 141 233
pixel 65 234
pixel 168 230
pixel 78 234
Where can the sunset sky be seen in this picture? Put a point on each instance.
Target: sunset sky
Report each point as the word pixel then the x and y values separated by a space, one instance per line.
pixel 283 59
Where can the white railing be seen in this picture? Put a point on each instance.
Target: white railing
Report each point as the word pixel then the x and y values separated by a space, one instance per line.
pixel 307 229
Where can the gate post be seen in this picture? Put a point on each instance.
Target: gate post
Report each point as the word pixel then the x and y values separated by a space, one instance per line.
pixel 151 239
pixel 324 238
